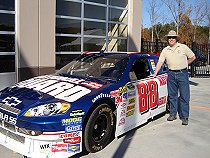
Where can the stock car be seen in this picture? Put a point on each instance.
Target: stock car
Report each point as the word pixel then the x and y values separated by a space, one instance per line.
pixel 81 106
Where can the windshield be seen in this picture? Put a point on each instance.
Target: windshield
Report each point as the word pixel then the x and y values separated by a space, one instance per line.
pixel 98 66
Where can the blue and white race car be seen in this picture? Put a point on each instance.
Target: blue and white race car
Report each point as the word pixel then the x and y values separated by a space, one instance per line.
pixel 81 106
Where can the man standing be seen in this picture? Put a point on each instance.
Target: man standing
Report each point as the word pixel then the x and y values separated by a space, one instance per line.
pixel 177 57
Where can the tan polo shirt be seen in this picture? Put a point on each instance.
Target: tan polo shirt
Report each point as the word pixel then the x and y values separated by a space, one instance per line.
pixel 176 56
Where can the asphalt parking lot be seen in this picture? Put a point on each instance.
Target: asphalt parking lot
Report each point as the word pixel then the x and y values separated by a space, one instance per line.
pixel 160 138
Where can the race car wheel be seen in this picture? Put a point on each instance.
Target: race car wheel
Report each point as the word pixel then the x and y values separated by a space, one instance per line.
pixel 99 128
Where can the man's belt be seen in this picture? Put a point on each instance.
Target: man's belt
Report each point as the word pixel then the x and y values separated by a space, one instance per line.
pixel 178 70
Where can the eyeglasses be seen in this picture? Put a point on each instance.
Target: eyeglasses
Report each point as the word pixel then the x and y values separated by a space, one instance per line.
pixel 172 37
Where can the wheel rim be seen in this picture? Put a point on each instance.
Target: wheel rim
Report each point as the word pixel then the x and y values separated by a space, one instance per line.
pixel 100 128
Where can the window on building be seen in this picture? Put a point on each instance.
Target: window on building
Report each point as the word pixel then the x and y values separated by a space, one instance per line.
pixel 8 5
pixel 63 59
pixel 7 63
pixel 68 26
pixel 119 3
pixel 117 30
pixel 97 1
pixel 68 8
pixel 95 12
pixel 85 25
pixel 94 44
pixel 7 36
pixel 7 22
pixel 68 44
pixel 118 15
pixel 94 28
pixel 117 44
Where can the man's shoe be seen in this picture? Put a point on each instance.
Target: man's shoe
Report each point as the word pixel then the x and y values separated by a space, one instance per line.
pixel 171 118
pixel 185 121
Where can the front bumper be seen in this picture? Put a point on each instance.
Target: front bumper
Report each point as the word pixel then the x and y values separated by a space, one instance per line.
pixel 46 145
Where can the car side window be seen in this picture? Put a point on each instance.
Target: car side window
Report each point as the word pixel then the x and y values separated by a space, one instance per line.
pixel 140 69
pixel 163 69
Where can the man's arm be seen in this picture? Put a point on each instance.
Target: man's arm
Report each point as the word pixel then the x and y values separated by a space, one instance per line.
pixel 190 60
pixel 158 66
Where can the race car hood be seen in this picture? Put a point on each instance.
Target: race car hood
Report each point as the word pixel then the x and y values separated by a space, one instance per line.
pixel 46 89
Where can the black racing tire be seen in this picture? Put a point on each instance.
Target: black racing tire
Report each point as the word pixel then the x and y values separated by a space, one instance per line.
pixel 99 127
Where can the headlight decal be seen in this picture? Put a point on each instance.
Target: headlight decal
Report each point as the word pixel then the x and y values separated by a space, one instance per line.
pixel 49 109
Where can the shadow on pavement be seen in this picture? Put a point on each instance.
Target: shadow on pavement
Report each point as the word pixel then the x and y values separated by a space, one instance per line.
pixel 193 83
pixel 129 136
pixel 124 144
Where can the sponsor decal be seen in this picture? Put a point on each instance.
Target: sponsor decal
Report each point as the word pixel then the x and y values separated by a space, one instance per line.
pixel 72 140
pixel 122 113
pixel 129 113
pixel 147 100
pixel 132 100
pixel 59 148
pixel 77 113
pixel 74 148
pixel 162 100
pixel 120 99
pixel 131 94
pixel 122 105
pixel 63 88
pixel 8 118
pixel 130 107
pixel 11 101
pixel 72 121
pixel 100 96
pixel 121 122
pixel 104 110
pixel 94 85
pixel 130 86
pixel 123 89
pixel 125 96
pixel 115 93
pixel 69 129
pixel 97 148
pixel 45 148
pixel 108 110
pixel 69 135
pixel 153 64
pixel 163 79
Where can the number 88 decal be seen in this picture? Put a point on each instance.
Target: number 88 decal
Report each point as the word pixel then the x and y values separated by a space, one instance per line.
pixel 148 96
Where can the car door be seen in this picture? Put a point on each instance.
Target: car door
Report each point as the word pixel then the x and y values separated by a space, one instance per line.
pixel 142 98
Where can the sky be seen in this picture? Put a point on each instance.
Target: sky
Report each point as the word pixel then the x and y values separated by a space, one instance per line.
pixel 165 13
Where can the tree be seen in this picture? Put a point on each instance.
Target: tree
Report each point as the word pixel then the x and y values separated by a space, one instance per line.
pixel 177 9
pixel 208 22
pixel 146 34
pixel 185 29
pixel 158 29
pixel 202 34
pixel 199 12
pixel 153 14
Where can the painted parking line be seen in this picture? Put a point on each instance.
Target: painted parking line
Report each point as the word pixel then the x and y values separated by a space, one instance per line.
pixel 201 107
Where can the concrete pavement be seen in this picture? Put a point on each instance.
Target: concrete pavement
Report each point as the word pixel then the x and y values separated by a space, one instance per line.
pixel 160 138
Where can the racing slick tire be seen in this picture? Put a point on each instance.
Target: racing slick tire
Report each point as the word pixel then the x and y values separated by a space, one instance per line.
pixel 99 127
